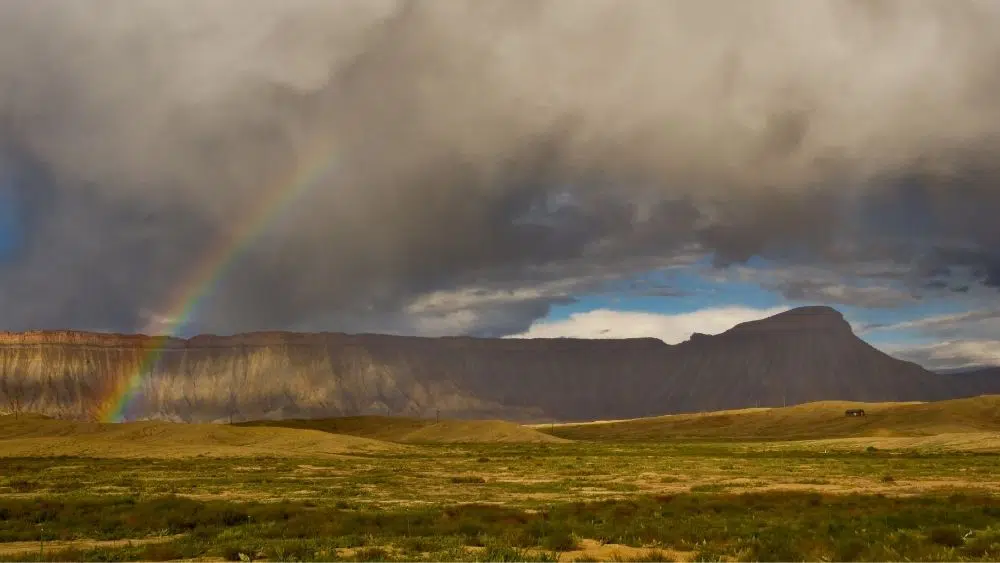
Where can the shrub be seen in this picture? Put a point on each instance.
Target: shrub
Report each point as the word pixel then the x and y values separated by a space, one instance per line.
pixel 474 540
pixel 64 487
pixel 708 488
pixel 239 552
pixel 708 554
pixel 559 540
pixel 946 536
pixel 291 551
pixel 23 486
pixel 507 553
pixel 982 544
pixel 419 545
pixel 371 554
pixel 775 549
pixel 850 550
pixel 231 552
pixel 654 555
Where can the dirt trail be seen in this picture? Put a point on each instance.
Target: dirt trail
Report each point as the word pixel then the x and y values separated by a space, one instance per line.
pixel 19 547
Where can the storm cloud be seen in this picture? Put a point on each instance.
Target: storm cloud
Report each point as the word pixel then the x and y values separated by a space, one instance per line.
pixel 465 151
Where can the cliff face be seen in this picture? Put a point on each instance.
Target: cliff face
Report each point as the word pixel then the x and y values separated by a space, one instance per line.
pixel 275 375
pixel 982 381
pixel 802 355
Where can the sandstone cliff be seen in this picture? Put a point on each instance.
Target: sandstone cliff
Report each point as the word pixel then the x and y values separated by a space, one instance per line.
pixel 802 355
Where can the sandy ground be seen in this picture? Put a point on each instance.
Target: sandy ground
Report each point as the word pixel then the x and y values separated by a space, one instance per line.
pixel 592 549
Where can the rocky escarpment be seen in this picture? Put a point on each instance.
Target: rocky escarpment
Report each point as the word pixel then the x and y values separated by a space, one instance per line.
pixel 801 355
pixel 980 381
pixel 276 375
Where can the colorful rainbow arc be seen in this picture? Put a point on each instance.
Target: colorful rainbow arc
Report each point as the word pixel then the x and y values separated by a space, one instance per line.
pixel 211 268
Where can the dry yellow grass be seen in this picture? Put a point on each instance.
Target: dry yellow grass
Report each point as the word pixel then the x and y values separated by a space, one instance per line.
pixel 8 549
pixel 39 436
pixel 593 550
pixel 389 428
pixel 963 424
pixel 415 430
pixel 543 425
pixel 945 442
pixel 466 431
pixel 813 421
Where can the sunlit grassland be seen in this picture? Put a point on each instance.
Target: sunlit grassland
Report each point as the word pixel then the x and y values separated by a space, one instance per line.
pixel 510 501
pixel 514 475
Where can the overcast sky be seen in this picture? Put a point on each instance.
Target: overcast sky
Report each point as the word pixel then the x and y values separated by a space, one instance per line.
pixel 578 167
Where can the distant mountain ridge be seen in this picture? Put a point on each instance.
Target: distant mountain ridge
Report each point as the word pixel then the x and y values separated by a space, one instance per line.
pixel 977 370
pixel 801 355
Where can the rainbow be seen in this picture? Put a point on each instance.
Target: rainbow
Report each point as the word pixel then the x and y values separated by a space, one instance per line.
pixel 194 288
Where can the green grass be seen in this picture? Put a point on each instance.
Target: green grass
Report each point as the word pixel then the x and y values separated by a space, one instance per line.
pixel 712 500
pixel 764 527
pixel 522 475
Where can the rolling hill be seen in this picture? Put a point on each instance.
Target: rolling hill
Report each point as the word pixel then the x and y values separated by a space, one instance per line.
pixel 811 421
pixel 803 355
pixel 417 431
pixel 34 435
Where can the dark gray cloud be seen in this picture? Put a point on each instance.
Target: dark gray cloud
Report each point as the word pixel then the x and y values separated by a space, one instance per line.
pixel 842 294
pixel 879 285
pixel 492 147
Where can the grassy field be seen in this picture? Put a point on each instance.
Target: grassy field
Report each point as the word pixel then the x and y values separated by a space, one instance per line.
pixel 416 430
pixel 811 421
pixel 33 435
pixel 125 492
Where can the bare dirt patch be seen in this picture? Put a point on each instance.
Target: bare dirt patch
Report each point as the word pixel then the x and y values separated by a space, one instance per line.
pixel 595 550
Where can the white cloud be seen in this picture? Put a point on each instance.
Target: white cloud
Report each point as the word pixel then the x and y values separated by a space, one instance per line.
pixel 970 322
pixel 951 341
pixel 465 299
pixel 607 323
pixel 577 279
pixel 951 355
pixel 157 324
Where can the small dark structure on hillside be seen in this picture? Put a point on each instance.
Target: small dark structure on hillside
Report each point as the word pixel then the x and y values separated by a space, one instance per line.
pixel 854 412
